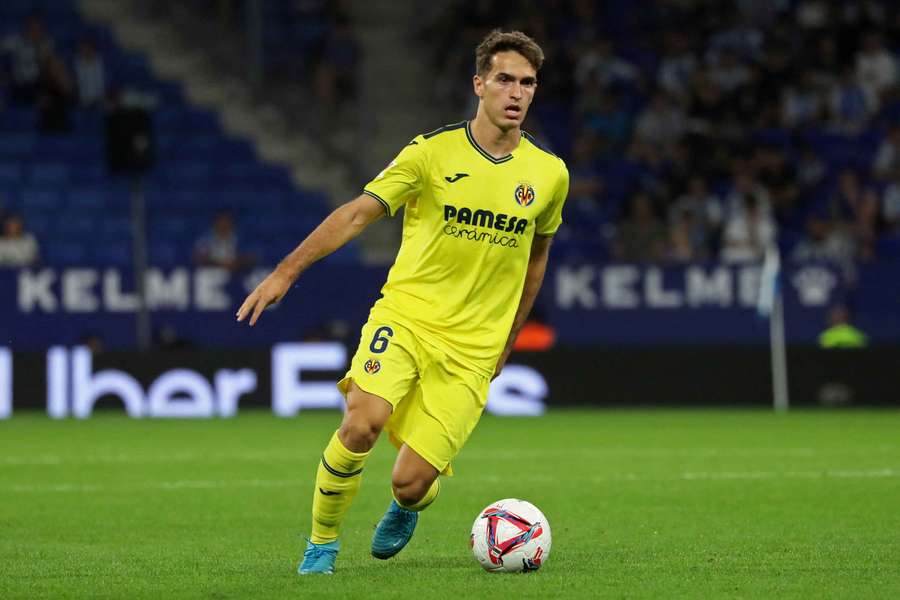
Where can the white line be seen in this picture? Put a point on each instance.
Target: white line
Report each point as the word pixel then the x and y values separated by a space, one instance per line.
pixel 186 484
pixel 194 484
pixel 599 453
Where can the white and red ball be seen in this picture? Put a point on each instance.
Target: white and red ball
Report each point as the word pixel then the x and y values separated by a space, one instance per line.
pixel 511 536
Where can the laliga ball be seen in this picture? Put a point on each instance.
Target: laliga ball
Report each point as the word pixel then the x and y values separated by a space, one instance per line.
pixel 511 536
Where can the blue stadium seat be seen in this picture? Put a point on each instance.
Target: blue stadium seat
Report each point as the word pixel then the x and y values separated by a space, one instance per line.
pixel 39 198
pixel 17 145
pixel 65 253
pixel 79 225
pixel 50 173
pixel 86 198
pixel 17 119
pixel 10 173
pixel 88 173
pixel 166 254
pixel 114 254
pixel 70 200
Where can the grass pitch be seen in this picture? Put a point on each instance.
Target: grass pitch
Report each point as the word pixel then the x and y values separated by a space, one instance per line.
pixel 664 504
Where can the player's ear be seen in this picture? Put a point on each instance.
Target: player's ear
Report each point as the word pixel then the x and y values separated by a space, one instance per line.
pixel 478 85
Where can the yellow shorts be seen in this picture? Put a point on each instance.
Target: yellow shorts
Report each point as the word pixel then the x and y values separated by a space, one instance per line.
pixel 436 401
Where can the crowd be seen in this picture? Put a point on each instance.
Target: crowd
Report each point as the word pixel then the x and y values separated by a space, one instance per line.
pixel 702 129
pixel 36 74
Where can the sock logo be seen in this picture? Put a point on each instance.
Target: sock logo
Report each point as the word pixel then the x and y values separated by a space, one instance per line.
pixel 329 493
pixel 372 366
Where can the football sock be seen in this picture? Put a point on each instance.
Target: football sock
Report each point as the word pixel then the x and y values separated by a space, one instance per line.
pixel 337 481
pixel 426 501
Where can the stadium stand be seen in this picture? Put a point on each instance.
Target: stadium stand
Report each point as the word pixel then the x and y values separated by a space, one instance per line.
pixel 80 212
pixel 639 97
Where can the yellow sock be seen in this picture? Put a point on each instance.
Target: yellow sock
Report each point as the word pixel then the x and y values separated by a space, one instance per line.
pixel 426 501
pixel 337 481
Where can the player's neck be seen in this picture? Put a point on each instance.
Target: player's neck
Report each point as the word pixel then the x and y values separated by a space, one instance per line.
pixel 495 141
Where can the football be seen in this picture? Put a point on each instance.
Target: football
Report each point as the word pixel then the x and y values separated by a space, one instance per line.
pixel 511 536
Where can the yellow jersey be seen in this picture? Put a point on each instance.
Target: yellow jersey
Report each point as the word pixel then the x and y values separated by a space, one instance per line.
pixel 469 220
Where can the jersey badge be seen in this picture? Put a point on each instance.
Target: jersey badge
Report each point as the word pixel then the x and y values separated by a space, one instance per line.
pixel 372 366
pixel 524 194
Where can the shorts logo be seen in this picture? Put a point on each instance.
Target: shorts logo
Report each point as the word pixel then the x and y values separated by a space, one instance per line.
pixel 524 194
pixel 372 366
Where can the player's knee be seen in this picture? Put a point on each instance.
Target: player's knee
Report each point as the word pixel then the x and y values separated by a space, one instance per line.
pixel 408 490
pixel 359 435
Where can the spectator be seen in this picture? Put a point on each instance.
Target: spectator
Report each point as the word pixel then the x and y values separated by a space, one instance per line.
pixel 677 66
pixel 586 187
pixel 875 66
pixel 887 160
pixel 779 178
pixel 641 237
pixel 749 230
pixel 219 248
pixel 810 168
pixel 27 53
pixel 18 247
pixel 840 333
pixel 55 95
pixel 703 210
pixel 604 116
pixel 90 73
pixel 823 242
pixel 851 103
pixel 801 104
pixel 854 208
pixel 729 73
pixel 890 208
pixel 599 64
pixel 662 122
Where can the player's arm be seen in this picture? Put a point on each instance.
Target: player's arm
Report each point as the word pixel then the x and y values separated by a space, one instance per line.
pixel 534 277
pixel 341 226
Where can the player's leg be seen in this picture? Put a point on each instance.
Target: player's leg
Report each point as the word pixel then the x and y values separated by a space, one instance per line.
pixel 414 481
pixel 340 474
pixel 433 423
pixel 415 485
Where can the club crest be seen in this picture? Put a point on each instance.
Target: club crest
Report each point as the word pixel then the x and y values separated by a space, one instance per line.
pixel 524 194
pixel 372 366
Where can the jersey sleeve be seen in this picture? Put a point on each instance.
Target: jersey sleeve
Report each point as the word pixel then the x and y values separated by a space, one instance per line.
pixel 403 179
pixel 550 219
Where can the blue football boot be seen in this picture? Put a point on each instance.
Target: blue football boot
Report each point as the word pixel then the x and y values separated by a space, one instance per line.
pixel 394 530
pixel 319 558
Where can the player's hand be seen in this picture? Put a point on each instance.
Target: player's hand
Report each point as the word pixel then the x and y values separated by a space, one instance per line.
pixel 271 290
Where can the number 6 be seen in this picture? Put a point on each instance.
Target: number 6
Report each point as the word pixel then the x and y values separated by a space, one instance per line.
pixel 379 342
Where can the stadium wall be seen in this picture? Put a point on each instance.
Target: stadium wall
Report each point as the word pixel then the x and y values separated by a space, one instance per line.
pixel 293 377
pixel 589 304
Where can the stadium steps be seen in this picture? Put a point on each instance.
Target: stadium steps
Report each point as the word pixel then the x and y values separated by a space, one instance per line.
pixel 207 85
pixel 396 86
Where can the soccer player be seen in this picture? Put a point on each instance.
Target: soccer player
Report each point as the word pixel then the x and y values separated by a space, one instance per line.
pixel 481 202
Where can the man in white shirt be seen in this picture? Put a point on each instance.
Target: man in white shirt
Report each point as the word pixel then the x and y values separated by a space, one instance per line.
pixel 18 248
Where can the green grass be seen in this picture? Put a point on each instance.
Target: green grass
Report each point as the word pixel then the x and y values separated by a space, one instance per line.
pixel 665 504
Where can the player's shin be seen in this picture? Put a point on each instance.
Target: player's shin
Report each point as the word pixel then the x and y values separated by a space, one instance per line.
pixel 426 500
pixel 337 481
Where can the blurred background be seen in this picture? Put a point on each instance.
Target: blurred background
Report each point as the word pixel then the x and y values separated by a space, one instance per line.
pixel 158 158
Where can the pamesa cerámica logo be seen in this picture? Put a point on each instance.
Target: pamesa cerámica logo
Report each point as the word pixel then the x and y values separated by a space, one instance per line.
pixel 74 386
pixel 476 221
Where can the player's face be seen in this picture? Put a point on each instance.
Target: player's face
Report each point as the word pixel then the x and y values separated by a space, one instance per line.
pixel 507 90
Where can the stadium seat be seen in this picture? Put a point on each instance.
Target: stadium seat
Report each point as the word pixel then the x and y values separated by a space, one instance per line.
pixel 50 173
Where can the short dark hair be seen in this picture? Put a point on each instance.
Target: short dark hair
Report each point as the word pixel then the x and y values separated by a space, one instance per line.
pixel 503 41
